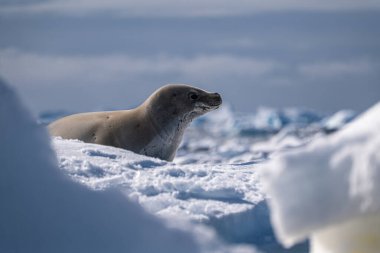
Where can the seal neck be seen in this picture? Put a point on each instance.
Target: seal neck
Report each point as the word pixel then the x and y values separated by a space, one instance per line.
pixel 166 124
pixel 168 133
pixel 168 127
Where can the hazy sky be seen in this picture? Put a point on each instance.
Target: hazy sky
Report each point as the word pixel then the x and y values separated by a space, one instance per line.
pixel 81 55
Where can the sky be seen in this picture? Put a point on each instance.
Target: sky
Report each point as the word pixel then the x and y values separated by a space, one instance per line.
pixel 82 55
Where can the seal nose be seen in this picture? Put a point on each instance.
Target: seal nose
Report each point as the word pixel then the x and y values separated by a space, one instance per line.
pixel 217 98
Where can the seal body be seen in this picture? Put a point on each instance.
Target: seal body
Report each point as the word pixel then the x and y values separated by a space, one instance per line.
pixel 155 128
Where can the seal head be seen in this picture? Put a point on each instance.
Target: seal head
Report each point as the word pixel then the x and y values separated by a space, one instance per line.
pixel 171 109
pixel 180 102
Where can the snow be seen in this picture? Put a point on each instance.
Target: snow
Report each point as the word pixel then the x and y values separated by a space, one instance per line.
pixel 65 195
pixel 323 189
pixel 42 210
pixel 163 187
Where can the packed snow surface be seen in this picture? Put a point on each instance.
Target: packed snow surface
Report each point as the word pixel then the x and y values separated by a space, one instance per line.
pixel 333 180
pixel 181 190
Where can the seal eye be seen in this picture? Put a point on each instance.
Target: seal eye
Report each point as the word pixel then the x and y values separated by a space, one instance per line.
pixel 193 96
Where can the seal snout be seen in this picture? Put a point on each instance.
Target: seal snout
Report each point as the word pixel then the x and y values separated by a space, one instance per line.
pixel 215 99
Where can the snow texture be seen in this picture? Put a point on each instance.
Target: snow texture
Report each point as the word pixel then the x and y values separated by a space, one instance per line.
pixel 164 187
pixel 204 193
pixel 44 211
pixel 333 180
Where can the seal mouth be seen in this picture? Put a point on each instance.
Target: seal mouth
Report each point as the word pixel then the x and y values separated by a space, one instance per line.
pixel 211 105
pixel 204 107
pixel 211 101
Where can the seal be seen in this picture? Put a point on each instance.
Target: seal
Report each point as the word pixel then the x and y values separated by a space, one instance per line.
pixel 155 128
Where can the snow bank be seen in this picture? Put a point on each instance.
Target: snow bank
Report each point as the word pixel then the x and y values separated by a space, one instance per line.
pixel 213 181
pixel 43 211
pixel 332 181
pixel 203 193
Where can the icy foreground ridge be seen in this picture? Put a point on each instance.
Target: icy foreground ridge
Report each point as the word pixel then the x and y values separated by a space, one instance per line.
pixel 43 211
pixel 330 189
